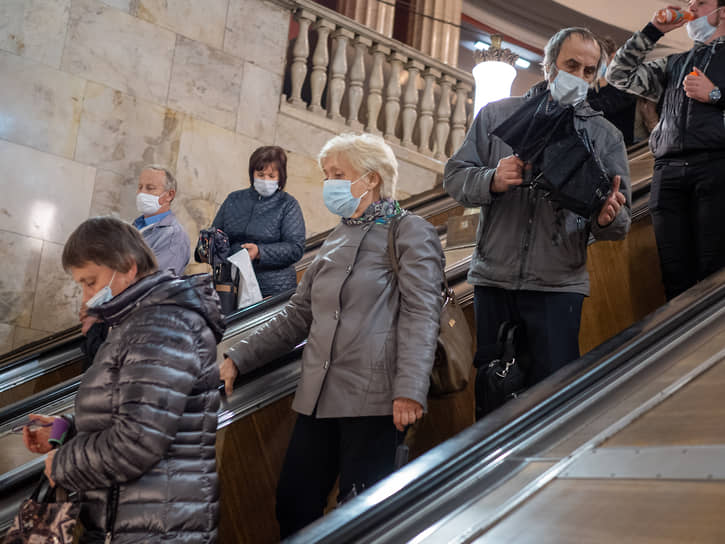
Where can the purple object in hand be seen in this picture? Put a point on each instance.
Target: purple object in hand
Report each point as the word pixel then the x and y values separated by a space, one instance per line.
pixel 58 431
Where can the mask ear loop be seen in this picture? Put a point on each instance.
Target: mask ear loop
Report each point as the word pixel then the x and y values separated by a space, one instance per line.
pixel 358 179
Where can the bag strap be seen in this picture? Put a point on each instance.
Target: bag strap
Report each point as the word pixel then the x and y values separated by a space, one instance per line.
pixel 392 236
pixel 35 495
pixel 509 345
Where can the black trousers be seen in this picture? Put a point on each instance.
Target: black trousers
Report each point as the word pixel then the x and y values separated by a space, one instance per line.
pixel 551 321
pixel 361 450
pixel 687 203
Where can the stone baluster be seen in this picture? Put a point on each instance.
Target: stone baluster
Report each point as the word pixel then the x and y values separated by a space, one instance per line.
pixel 301 50
pixel 392 95
pixel 427 103
pixel 320 58
pixel 375 87
pixel 338 71
pixel 357 78
pixel 443 117
pixel 410 102
pixel 458 124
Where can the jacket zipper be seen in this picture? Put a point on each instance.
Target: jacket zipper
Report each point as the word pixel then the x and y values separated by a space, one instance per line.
pixel 527 234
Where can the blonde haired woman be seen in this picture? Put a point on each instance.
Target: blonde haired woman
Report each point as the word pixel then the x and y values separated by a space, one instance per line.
pixel 371 337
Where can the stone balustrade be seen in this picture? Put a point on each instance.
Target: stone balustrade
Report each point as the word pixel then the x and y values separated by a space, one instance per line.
pixel 363 80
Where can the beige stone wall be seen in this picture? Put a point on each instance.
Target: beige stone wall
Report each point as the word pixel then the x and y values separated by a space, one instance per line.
pixel 92 90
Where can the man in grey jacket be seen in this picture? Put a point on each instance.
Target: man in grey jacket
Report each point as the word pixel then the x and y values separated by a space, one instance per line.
pixel 529 265
pixel 158 224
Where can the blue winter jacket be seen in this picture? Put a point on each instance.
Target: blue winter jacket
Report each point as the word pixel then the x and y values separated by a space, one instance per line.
pixel 275 224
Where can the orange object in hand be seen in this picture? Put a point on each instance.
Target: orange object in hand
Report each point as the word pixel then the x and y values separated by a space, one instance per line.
pixel 671 15
pixel 693 73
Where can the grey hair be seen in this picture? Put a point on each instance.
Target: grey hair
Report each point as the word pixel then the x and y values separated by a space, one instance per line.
pixel 170 182
pixel 366 153
pixel 553 48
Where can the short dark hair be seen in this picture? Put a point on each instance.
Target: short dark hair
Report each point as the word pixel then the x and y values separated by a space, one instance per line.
pixel 266 155
pixel 110 242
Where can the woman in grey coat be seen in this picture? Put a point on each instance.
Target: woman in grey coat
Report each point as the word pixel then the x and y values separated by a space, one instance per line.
pixel 370 338
pixel 143 435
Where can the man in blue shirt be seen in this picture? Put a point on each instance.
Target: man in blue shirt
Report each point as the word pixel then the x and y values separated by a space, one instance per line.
pixel 158 224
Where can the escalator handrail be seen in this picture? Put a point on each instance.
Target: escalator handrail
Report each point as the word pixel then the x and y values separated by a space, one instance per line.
pixel 70 337
pixel 455 273
pixel 495 433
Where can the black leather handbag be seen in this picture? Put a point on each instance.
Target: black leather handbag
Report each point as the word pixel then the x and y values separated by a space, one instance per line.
pixel 213 247
pixel 504 377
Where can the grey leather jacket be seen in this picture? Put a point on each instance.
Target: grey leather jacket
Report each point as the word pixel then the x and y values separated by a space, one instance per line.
pixel 146 415
pixel 525 241
pixel 370 338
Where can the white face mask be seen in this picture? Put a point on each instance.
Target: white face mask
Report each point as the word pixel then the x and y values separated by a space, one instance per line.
pixel 147 204
pixel 266 187
pixel 102 296
pixel 568 89
pixel 700 29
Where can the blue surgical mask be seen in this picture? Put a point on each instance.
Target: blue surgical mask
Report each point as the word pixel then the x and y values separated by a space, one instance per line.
pixel 568 89
pixel 700 29
pixel 338 198
pixel 266 187
pixel 102 296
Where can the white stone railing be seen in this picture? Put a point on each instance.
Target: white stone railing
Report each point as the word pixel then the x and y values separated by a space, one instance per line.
pixel 348 73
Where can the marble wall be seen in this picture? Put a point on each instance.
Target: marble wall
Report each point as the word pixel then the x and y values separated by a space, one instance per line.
pixel 93 90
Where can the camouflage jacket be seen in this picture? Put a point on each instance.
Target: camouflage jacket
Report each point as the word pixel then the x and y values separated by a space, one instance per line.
pixel 686 125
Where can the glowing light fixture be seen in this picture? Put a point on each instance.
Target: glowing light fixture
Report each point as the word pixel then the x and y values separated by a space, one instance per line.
pixel 494 73
pixel 523 63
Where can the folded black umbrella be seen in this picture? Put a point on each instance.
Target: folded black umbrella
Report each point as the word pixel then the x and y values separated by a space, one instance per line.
pixel 542 132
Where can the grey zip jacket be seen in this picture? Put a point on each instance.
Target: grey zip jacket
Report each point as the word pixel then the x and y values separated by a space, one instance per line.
pixel 370 338
pixel 525 241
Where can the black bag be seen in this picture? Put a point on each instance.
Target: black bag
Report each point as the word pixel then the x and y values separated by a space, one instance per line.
pixel 452 362
pixel 502 378
pixel 213 247
pixel 45 520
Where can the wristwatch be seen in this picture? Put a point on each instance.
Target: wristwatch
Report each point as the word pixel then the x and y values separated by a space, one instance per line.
pixel 715 96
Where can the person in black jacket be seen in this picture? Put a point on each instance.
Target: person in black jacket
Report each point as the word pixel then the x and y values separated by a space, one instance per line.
pixel 687 197
pixel 144 430
pixel 618 106
pixel 267 221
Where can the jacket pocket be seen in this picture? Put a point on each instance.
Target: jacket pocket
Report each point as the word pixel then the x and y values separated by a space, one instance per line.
pixel 575 234
pixel 381 366
pixel 484 226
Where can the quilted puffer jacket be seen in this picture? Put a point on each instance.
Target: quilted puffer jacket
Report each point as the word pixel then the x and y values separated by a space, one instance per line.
pixel 275 224
pixel 146 415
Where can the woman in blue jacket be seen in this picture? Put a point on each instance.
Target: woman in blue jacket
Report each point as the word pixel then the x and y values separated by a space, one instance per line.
pixel 267 221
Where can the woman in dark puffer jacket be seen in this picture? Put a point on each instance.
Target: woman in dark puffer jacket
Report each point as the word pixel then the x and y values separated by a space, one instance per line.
pixel 266 221
pixel 145 419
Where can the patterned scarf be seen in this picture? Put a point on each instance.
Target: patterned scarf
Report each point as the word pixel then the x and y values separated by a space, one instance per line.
pixel 381 211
